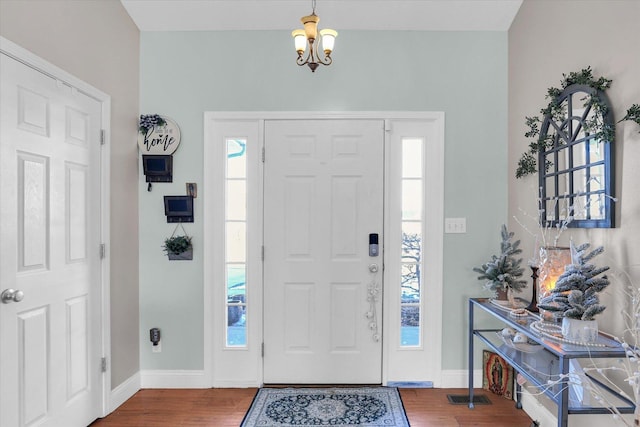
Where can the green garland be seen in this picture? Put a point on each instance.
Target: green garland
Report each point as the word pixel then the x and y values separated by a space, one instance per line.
pixel 633 114
pixel 528 163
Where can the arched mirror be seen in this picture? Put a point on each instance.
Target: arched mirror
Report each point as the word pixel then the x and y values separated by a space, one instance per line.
pixel 576 167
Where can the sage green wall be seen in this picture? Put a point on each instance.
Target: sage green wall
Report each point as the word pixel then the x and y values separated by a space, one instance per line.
pixel 97 42
pixel 464 74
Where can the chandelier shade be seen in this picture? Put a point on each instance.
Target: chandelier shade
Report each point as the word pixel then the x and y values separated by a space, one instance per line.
pixel 300 41
pixel 328 40
pixel 310 26
pixel 305 42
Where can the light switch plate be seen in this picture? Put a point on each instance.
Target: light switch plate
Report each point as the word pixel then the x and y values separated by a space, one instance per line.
pixel 455 225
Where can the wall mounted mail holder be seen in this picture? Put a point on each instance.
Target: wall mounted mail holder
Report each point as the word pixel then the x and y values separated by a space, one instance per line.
pixel 157 168
pixel 178 208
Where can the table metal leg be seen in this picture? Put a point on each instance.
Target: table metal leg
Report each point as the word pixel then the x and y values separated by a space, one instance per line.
pixel 563 405
pixel 470 355
pixel 518 395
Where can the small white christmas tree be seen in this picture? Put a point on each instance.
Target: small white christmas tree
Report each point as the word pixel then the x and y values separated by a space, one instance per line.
pixel 503 272
pixel 576 293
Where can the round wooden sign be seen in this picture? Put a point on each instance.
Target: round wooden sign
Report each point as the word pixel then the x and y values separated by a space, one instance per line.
pixel 158 135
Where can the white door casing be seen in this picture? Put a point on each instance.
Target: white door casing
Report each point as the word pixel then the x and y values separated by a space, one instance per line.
pixel 323 184
pixel 225 367
pixel 52 341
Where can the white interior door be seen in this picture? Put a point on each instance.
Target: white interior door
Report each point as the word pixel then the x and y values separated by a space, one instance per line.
pixel 50 340
pixel 323 198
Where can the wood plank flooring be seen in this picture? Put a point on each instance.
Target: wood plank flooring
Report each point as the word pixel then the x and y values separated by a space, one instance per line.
pixel 224 407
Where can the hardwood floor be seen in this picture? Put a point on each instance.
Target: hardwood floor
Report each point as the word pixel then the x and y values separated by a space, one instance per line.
pixel 224 407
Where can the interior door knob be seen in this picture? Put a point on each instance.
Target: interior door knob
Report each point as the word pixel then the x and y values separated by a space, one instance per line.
pixel 9 295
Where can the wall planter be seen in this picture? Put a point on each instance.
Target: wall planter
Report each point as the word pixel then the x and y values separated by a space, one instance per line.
pixel 178 248
pixel 184 256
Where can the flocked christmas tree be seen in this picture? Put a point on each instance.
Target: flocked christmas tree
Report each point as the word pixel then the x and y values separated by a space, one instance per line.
pixel 576 293
pixel 503 272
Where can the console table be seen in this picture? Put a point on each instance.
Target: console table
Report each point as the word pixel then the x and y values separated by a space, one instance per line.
pixel 544 359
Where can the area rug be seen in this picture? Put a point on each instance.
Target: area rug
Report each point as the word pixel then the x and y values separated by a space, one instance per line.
pixel 301 407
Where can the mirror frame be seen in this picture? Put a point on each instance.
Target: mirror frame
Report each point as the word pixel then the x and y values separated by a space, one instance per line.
pixel 577 122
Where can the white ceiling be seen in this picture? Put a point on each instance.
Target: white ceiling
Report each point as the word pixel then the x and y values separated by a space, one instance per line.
pixel 425 15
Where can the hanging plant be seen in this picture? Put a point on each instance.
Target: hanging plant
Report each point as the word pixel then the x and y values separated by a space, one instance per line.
pixel 178 247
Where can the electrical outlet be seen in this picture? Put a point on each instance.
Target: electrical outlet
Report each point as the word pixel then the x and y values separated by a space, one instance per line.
pixel 154 336
pixel 455 225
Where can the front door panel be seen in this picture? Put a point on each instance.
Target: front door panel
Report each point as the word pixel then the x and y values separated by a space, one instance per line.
pixel 323 291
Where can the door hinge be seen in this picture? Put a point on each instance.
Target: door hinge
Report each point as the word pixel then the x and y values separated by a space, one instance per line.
pixel 103 364
pixel 103 250
pixel 262 253
pixel 262 350
pixel 263 154
pixel 103 138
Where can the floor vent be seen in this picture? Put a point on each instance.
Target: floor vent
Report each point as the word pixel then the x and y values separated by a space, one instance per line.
pixel 463 399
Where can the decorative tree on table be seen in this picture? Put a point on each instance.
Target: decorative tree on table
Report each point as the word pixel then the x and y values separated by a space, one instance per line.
pixel 576 292
pixel 503 272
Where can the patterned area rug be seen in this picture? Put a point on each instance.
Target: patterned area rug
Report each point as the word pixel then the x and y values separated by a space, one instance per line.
pixel 301 407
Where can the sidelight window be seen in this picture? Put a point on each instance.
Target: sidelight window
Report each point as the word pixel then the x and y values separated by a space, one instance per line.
pixel 236 242
pixel 412 176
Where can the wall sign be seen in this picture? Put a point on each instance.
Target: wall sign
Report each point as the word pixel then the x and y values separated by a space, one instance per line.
pixel 158 135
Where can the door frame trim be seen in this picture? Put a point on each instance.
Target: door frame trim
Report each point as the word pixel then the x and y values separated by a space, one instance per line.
pixel 31 60
pixel 211 213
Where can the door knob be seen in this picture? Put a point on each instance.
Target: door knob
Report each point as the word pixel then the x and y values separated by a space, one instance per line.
pixel 373 268
pixel 9 295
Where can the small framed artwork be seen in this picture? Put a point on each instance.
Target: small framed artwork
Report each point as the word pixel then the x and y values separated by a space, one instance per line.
pixel 497 375
pixel 192 189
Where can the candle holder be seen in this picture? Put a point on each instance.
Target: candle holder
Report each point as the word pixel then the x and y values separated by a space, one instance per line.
pixel 552 263
pixel 533 306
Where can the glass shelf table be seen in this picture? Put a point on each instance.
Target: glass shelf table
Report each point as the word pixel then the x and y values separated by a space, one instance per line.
pixel 546 363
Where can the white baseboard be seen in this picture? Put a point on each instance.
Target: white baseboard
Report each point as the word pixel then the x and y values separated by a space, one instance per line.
pixel 237 384
pixel 173 379
pixel 460 379
pixel 533 406
pixel 124 391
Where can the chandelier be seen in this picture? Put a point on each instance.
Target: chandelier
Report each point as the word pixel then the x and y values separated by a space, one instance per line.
pixel 305 40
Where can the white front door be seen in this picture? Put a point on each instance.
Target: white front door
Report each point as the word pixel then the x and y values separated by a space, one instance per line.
pixel 322 294
pixel 50 340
